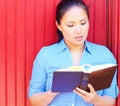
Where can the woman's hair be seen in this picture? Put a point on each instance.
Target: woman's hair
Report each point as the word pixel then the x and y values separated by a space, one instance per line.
pixel 63 7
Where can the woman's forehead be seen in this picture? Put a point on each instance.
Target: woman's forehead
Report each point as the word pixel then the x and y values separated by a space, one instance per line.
pixel 75 13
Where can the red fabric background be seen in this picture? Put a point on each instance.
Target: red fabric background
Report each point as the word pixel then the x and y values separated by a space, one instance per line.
pixel 27 25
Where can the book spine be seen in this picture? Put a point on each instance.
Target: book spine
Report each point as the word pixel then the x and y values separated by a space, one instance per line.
pixel 84 82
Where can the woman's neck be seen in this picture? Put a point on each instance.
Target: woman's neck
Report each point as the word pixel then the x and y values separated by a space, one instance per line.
pixel 77 48
pixel 76 54
pixel 73 47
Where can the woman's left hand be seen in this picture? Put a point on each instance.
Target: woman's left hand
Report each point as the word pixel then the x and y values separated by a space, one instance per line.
pixel 90 97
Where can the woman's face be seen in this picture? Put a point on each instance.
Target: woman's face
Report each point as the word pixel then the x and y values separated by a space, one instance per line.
pixel 74 26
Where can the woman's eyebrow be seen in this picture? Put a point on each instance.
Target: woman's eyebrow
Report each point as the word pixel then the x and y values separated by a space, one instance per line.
pixel 71 22
pixel 85 19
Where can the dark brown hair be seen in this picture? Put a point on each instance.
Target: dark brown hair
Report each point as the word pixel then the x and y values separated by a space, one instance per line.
pixel 63 7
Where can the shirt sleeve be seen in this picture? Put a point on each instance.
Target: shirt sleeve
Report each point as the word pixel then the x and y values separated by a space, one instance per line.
pixel 113 89
pixel 38 78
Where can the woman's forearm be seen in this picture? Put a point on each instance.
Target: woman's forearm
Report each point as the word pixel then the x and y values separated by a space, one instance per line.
pixel 42 99
pixel 104 101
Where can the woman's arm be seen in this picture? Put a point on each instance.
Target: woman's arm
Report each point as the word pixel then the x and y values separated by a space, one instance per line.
pixel 104 101
pixel 42 99
pixel 92 97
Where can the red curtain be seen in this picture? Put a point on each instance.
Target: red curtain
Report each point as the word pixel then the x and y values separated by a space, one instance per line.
pixel 113 33
pixel 27 25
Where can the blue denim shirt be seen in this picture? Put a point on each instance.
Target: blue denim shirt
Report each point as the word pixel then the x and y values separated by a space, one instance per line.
pixel 58 56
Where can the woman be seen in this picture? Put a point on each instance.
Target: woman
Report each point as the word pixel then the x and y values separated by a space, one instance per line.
pixel 72 21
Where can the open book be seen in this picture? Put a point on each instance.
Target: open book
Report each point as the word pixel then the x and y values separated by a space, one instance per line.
pixel 100 76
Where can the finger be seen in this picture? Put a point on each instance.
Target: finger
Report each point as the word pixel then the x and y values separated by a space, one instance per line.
pixel 79 93
pixel 86 98
pixel 91 88
pixel 82 91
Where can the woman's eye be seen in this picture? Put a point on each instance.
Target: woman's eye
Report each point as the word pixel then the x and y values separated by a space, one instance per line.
pixel 83 23
pixel 70 25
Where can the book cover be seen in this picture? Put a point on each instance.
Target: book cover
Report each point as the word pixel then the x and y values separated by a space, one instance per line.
pixel 100 76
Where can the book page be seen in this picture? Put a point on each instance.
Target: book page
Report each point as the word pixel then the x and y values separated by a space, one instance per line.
pixel 73 68
pixel 77 68
pixel 99 67
pixel 86 68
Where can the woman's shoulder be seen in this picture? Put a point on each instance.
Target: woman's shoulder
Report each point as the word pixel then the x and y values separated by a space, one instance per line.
pixel 48 49
pixel 101 51
pixel 56 47
pixel 96 46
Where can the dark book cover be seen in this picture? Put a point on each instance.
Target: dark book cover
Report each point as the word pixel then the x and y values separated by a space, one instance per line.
pixel 66 81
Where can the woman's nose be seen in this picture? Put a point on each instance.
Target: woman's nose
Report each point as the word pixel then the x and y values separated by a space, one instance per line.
pixel 78 29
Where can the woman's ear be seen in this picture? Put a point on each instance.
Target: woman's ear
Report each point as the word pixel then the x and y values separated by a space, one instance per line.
pixel 58 26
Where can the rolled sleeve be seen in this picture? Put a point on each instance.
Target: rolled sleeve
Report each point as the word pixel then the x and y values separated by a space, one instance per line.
pixel 113 89
pixel 37 82
pixel 35 87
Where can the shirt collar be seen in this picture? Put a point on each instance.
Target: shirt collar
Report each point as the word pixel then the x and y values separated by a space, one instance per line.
pixel 88 47
pixel 63 46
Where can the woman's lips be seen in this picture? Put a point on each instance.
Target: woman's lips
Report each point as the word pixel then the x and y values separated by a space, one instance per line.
pixel 79 38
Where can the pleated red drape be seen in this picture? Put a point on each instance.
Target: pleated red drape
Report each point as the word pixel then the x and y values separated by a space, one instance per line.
pixel 27 25
pixel 113 33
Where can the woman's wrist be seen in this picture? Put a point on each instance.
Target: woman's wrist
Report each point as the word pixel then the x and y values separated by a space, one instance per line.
pixel 104 101
pixel 97 101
